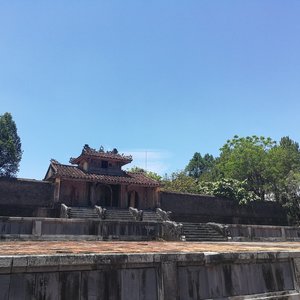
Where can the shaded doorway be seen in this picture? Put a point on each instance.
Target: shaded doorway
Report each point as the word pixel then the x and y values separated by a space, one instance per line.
pixel 115 195
pixel 101 194
pixel 133 199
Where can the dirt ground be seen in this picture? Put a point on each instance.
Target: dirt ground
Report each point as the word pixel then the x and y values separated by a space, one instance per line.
pixel 100 247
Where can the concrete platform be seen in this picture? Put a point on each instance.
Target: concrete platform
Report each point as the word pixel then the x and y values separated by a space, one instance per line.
pixel 149 270
pixel 101 247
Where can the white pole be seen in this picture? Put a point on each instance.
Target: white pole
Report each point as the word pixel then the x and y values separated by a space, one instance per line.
pixel 146 160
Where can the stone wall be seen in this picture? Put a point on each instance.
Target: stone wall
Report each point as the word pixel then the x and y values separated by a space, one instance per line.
pixel 57 228
pixel 151 276
pixel 202 209
pixel 24 197
pixel 239 232
pixel 26 192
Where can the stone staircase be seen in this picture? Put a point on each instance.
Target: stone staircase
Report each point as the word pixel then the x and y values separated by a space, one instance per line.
pixel 82 213
pixel 197 232
pixel 151 216
pixel 112 214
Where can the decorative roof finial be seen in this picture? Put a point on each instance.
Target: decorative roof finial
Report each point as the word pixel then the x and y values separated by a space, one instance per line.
pixel 86 147
pixel 54 161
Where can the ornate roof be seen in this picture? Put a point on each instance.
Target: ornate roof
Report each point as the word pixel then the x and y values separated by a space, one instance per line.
pixel 57 170
pixel 88 152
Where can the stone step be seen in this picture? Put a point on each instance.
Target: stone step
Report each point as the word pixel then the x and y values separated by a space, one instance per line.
pixel 118 214
pixel 196 226
pixel 79 214
pixel 82 213
pixel 204 240
pixel 108 213
pixel 112 214
pixel 151 216
pixel 201 232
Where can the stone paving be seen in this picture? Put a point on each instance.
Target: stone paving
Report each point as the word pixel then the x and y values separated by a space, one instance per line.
pixel 100 247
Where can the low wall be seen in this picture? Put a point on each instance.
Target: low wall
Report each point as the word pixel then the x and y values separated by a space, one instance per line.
pixel 28 211
pixel 51 228
pixel 259 233
pixel 151 276
pixel 26 192
pixel 203 209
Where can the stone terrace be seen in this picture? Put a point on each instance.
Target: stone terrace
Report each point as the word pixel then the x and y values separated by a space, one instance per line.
pixel 99 247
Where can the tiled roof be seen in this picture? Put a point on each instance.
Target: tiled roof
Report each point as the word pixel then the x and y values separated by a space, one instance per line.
pixel 90 152
pixel 73 172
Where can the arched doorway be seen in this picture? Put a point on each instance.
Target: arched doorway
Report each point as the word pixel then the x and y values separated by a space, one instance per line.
pixel 133 199
pixel 73 196
pixel 102 195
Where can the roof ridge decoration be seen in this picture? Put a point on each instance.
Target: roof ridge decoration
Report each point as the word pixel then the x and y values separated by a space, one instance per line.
pixel 54 161
pixel 114 154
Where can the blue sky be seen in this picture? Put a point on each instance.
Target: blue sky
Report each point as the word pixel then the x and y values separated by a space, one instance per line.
pixel 161 79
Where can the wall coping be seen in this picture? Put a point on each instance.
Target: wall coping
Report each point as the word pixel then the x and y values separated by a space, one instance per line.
pixel 261 226
pixel 59 262
pixel 25 180
pixel 77 220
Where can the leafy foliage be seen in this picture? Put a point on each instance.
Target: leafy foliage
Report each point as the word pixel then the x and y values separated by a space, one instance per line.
pixel 246 159
pixel 248 169
pixel 260 161
pixel 199 165
pixel 282 160
pixel 290 197
pixel 228 188
pixel 10 146
pixel 180 182
pixel 149 174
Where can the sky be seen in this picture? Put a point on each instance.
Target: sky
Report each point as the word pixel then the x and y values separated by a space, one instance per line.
pixel 158 79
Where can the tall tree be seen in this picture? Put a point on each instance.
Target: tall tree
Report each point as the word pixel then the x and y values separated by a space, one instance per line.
pixel 199 165
pixel 10 146
pixel 180 182
pixel 264 164
pixel 150 174
pixel 283 159
pixel 195 166
pixel 228 188
pixel 290 197
pixel 246 159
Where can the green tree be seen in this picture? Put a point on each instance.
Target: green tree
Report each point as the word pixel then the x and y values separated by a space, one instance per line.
pixel 264 164
pixel 180 182
pixel 287 142
pixel 199 165
pixel 195 166
pixel 228 188
pixel 246 159
pixel 10 146
pixel 149 174
pixel 282 159
pixel 290 197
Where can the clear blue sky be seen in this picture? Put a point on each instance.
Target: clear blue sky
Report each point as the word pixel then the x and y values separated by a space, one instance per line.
pixel 167 77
